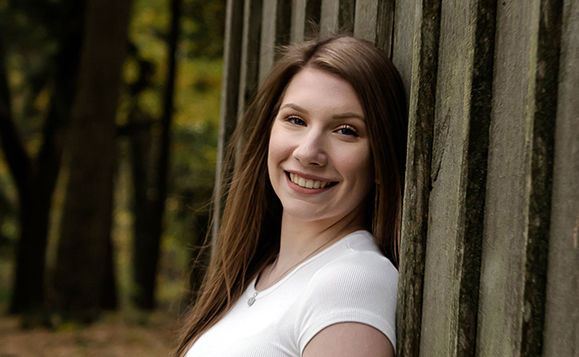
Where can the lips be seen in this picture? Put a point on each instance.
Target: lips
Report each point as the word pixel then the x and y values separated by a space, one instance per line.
pixel 309 183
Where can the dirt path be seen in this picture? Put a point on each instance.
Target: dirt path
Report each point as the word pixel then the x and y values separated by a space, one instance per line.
pixel 112 336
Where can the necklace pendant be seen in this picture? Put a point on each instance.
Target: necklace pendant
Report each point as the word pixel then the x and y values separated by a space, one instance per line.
pixel 251 300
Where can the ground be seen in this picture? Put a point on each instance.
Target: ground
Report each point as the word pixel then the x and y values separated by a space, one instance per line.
pixel 113 335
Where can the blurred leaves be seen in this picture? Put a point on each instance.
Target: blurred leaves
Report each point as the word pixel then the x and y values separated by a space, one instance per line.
pixel 29 30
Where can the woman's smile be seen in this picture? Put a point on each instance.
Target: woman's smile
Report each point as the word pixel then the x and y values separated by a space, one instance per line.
pixel 304 183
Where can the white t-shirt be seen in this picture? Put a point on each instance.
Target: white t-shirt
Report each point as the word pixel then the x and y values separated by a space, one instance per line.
pixel 349 281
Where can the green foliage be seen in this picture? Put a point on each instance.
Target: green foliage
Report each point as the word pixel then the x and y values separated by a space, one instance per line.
pixel 29 32
pixel 195 123
pixel 204 28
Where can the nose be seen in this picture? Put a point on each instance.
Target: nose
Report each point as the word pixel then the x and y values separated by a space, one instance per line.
pixel 310 150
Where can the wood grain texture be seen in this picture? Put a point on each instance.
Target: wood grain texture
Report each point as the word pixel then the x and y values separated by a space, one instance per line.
pixel 229 96
pixel 476 173
pixel 403 39
pixel 445 243
pixel 298 21
pixel 502 307
pixel 283 15
pixel 329 17
pixel 561 337
pixel 346 16
pixel 268 38
pixel 543 108
pixel 385 26
pixel 417 185
pixel 249 69
pixel 458 172
pixel 365 19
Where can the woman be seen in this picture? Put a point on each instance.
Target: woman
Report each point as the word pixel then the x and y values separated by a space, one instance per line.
pixel 306 252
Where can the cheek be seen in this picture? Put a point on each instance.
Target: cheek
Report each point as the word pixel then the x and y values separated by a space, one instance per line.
pixel 358 166
pixel 274 151
pixel 278 147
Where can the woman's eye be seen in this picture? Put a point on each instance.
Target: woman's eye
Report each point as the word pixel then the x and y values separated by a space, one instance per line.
pixel 295 120
pixel 347 130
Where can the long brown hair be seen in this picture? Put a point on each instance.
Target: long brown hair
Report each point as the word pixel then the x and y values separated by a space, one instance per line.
pixel 248 237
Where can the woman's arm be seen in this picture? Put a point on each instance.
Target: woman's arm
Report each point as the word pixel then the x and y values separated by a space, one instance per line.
pixel 349 339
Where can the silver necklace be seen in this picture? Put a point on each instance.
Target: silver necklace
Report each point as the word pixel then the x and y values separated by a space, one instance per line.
pixel 252 299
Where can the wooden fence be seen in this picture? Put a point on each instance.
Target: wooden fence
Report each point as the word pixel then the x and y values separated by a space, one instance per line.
pixel 489 257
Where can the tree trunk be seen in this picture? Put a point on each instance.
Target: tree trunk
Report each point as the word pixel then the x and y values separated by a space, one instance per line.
pixel 36 179
pixel 150 209
pixel 86 222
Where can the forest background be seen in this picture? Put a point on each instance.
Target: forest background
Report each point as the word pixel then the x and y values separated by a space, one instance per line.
pixel 108 129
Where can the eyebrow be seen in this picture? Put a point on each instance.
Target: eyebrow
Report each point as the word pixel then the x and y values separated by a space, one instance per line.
pixel 337 116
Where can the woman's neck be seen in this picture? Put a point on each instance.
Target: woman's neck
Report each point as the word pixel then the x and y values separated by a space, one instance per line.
pixel 299 238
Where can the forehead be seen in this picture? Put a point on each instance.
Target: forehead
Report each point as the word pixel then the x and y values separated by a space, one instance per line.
pixel 315 89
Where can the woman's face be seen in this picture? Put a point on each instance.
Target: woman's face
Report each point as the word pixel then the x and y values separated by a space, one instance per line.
pixel 319 159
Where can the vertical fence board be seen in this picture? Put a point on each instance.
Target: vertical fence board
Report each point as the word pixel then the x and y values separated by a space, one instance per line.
pixel 501 305
pixel 385 26
pixel 275 31
pixel 480 94
pixel 444 247
pixel 229 96
pixel 365 19
pixel 417 185
pixel 283 24
pixel 248 81
pixel 305 19
pixel 329 18
pixel 562 311
pixel 402 45
pixel 298 21
pixel 543 108
pixel 267 44
pixel 346 16
pixel 337 16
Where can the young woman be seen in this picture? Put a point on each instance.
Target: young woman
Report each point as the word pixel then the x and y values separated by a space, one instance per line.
pixel 306 252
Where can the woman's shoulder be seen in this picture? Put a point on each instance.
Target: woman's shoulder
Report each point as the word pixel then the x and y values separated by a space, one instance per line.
pixel 359 254
pixel 357 265
pixel 358 284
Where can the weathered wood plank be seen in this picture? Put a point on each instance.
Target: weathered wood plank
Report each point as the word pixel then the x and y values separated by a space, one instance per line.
pixel 402 47
pixel 476 173
pixel 298 20
pixel 562 312
pixel 329 19
pixel 268 38
pixel 417 185
pixel 337 16
pixel 456 204
pixel 365 19
pixel 305 19
pixel 502 307
pixel 543 108
pixel 283 24
pixel 248 77
pixel 275 31
pixel 229 96
pixel 385 26
pixel 346 16
pixel 445 244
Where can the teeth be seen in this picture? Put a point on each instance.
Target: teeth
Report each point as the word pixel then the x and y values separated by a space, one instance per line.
pixel 300 181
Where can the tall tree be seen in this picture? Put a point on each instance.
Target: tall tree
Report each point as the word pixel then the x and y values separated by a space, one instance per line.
pixel 150 194
pixel 35 176
pixel 84 244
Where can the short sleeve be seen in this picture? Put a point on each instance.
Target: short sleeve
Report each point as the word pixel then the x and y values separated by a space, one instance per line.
pixel 360 287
